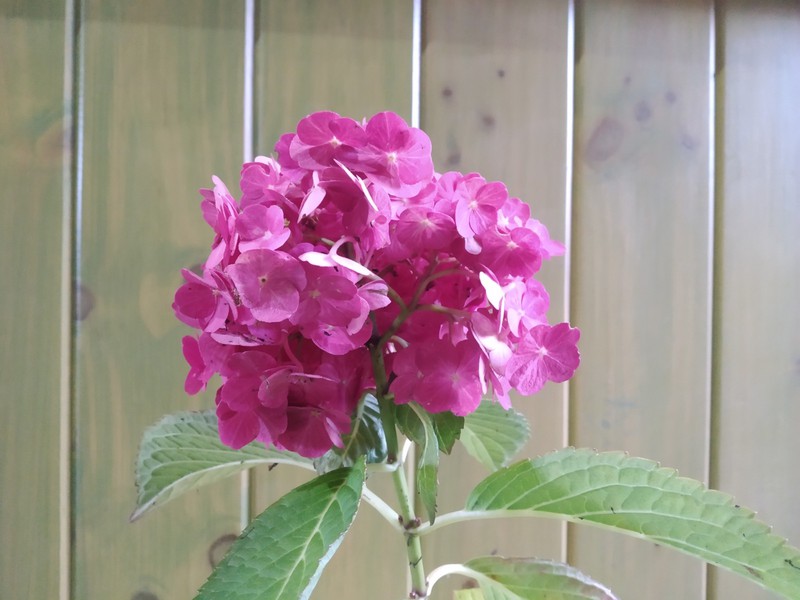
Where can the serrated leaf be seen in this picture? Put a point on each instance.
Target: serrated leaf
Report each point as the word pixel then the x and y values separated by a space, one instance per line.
pixel 415 422
pixel 366 438
pixel 637 497
pixel 494 435
pixel 183 451
pixel 531 579
pixel 281 555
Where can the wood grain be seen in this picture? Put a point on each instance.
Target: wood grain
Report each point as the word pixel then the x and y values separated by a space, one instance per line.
pixel 163 97
pixel 352 57
pixel 32 121
pixel 494 100
pixel 757 367
pixel 640 263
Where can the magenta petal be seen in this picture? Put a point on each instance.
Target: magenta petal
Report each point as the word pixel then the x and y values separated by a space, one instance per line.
pixel 236 429
pixel 544 354
pixel 269 283
pixel 191 352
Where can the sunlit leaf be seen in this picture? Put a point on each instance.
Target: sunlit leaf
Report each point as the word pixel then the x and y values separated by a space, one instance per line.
pixel 281 555
pixel 637 497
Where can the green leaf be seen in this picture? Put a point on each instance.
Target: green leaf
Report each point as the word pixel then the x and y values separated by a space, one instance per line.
pixel 183 451
pixel 469 594
pixel 416 423
pixel 281 555
pixel 637 497
pixel 531 579
pixel 366 438
pixel 448 429
pixel 493 435
pixel 446 425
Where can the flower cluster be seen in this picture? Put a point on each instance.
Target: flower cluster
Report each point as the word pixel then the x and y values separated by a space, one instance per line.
pixel 347 263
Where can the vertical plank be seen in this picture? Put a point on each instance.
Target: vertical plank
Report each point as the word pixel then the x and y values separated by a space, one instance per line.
pixel 32 123
pixel 162 111
pixel 640 262
pixel 757 341
pixel 352 57
pixel 494 100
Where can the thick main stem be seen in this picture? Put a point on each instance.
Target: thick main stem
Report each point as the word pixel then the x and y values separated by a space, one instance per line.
pixel 419 585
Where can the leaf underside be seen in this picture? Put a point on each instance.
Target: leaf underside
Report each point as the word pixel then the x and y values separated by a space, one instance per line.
pixel 493 435
pixel 281 554
pixel 637 497
pixel 532 579
pixel 183 451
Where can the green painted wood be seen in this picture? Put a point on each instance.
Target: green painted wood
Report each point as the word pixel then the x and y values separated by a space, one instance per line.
pixel 353 57
pixel 757 342
pixel 163 98
pixel 31 153
pixel 640 262
pixel 494 100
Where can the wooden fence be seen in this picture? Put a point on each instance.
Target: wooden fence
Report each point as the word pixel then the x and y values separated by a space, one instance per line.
pixel 661 140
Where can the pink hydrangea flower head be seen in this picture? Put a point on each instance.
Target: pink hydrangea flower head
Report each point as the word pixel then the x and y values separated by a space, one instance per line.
pixel 346 251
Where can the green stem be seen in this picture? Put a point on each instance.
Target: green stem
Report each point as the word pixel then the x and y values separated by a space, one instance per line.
pixel 385 404
pixel 408 518
pixel 419 586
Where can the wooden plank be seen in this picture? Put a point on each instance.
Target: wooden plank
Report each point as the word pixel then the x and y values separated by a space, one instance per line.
pixel 32 122
pixel 352 57
pixel 494 100
pixel 640 262
pixel 163 98
pixel 757 341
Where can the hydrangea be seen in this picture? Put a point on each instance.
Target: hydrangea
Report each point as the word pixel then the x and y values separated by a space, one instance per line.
pixel 348 246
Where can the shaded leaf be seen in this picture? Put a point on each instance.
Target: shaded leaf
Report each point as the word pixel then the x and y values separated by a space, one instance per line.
pixel 366 438
pixel 183 451
pixel 446 425
pixel 494 435
pixel 415 422
pixel 636 496
pixel 531 579
pixel 448 429
pixel 281 555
